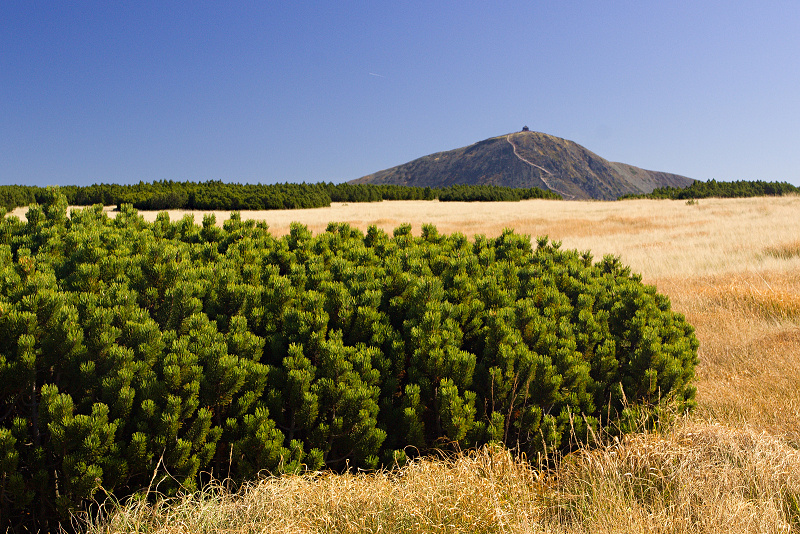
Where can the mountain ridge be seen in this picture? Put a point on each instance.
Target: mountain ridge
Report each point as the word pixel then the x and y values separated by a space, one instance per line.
pixel 528 159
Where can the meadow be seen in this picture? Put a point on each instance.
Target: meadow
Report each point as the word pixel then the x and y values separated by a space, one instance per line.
pixel 732 266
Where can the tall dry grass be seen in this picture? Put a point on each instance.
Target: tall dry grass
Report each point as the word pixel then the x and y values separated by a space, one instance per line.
pixel 731 266
pixel 698 478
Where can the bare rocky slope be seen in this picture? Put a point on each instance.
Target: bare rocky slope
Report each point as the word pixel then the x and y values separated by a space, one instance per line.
pixel 528 159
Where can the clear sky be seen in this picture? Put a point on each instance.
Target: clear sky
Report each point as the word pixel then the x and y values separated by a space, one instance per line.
pixel 119 92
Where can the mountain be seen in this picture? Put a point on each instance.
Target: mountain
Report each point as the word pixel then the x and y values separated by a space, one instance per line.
pixel 528 159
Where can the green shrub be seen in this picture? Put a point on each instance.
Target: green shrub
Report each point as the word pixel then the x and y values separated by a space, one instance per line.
pixel 137 354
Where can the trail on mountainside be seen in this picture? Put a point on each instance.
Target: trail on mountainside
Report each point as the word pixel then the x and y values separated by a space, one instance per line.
pixel 532 164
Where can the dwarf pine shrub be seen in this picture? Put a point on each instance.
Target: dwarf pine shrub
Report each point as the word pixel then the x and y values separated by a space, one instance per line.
pixel 139 355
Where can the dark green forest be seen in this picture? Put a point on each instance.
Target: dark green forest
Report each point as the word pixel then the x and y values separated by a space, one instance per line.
pixel 139 355
pixel 712 188
pixel 215 195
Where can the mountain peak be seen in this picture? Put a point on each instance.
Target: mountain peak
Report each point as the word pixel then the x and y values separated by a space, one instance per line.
pixel 528 159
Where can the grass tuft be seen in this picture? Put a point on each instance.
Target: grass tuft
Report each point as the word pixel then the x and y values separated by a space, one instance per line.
pixel 785 251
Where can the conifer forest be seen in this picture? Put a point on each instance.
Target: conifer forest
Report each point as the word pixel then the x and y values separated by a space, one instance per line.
pixel 217 195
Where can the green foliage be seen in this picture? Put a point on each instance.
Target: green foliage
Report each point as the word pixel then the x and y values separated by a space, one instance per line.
pixel 487 193
pixel 713 188
pixel 136 355
pixel 216 195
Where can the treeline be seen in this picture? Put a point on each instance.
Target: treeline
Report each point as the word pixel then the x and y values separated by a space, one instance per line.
pixel 712 188
pixel 488 193
pixel 215 195
pixel 136 354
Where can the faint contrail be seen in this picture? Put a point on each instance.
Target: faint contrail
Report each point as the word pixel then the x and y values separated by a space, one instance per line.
pixel 378 75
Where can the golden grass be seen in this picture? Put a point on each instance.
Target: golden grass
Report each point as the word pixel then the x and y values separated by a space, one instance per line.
pixel 699 478
pixel 784 250
pixel 748 325
pixel 731 266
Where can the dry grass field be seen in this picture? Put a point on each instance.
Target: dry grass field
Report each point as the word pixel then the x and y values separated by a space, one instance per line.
pixel 731 266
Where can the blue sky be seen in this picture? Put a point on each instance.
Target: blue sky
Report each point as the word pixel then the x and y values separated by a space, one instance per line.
pixel 119 92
